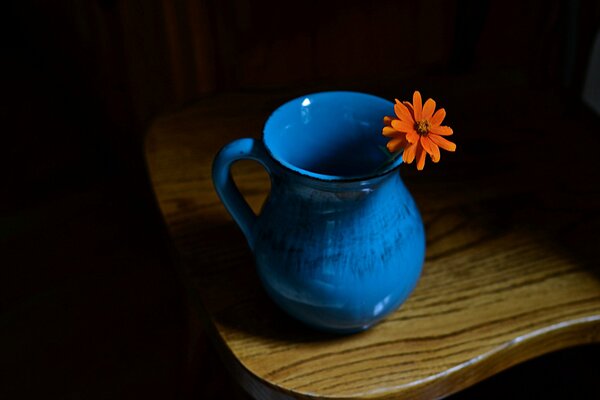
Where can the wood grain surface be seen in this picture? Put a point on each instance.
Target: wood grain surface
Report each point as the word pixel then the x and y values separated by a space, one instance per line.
pixel 511 270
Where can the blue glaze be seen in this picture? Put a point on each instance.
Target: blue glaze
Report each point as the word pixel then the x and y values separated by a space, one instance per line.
pixel 339 243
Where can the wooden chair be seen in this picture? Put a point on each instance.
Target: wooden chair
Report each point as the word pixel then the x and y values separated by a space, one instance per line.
pixel 511 271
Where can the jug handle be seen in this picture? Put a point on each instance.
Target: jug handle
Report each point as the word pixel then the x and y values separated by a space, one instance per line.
pixel 234 202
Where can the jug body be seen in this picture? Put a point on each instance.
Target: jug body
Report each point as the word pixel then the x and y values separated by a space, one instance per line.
pixel 339 256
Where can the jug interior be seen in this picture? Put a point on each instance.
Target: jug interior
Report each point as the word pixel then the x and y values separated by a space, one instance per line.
pixel 335 134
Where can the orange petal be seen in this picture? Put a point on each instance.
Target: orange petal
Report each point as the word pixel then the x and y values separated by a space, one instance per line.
pixel 427 144
pixel 421 158
pixel 403 113
pixel 438 117
pixel 412 136
pixel 410 108
pixel 428 109
pixel 431 148
pixel 409 153
pixel 418 106
pixel 388 131
pixel 397 144
pixel 387 121
pixel 443 143
pixel 403 126
pixel 441 130
pixel 435 157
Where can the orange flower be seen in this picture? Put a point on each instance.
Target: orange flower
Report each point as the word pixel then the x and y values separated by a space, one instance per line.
pixel 417 131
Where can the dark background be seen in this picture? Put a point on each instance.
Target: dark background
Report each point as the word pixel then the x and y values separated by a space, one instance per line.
pixel 90 304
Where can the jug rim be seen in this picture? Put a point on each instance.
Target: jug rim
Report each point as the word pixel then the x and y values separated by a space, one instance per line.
pixel 379 172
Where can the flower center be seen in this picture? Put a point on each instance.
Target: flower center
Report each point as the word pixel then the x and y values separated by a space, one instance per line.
pixel 422 127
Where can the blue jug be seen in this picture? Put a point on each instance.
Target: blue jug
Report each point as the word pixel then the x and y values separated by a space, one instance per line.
pixel 339 243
